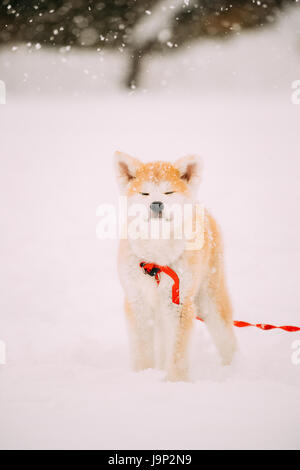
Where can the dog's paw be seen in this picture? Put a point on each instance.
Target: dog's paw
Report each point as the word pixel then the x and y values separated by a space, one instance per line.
pixel 177 375
pixel 228 355
pixel 143 364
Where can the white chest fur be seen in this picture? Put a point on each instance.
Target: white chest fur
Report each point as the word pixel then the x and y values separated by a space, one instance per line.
pixel 143 288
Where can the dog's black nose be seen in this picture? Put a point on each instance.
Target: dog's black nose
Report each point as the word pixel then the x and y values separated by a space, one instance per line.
pixel 157 207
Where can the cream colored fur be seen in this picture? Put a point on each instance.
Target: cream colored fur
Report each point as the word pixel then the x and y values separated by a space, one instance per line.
pixel 160 330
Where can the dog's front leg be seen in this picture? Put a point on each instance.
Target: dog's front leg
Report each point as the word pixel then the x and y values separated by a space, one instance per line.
pixel 177 367
pixel 140 319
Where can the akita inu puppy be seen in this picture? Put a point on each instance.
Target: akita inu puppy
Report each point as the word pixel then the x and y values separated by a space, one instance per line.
pixel 185 280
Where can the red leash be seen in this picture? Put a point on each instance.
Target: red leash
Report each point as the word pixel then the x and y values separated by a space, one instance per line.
pixel 262 326
pixel 155 269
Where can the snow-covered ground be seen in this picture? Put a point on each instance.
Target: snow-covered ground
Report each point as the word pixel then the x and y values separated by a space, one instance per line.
pixel 67 382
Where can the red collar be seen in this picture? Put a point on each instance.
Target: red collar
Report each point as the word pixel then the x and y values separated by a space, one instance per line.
pixel 155 269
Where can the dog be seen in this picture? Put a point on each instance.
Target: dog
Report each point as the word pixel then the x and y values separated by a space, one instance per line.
pixel 182 280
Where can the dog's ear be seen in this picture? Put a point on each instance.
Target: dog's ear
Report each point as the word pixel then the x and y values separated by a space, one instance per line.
pixel 190 169
pixel 126 168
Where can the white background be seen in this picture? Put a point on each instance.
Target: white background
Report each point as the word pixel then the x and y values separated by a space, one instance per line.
pixel 67 381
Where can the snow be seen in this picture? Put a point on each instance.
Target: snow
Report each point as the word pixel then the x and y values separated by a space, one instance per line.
pixel 67 381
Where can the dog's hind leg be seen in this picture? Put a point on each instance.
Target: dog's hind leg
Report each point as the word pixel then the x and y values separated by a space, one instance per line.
pixel 215 310
pixel 213 299
pixel 222 335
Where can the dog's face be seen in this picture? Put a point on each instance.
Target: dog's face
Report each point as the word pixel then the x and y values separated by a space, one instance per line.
pixel 157 197
pixel 158 186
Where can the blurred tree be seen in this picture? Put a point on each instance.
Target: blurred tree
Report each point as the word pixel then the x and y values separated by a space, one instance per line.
pixel 140 26
pixel 195 19
pixel 79 23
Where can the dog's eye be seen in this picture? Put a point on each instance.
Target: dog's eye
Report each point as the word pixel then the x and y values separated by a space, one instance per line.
pixel 170 192
pixel 145 194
